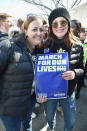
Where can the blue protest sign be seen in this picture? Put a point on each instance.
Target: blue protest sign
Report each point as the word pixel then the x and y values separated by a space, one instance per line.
pixel 48 79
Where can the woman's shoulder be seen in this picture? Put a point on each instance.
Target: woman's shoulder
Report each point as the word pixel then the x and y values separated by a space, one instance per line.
pixel 78 46
pixel 6 45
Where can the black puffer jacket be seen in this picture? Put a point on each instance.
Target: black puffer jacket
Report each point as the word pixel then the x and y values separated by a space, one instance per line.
pixel 76 59
pixel 16 77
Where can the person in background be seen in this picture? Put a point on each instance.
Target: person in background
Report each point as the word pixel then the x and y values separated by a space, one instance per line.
pixel 46 28
pixel 61 39
pixel 5 24
pixel 13 32
pixel 76 29
pixel 85 48
pixel 17 74
pixel 20 23
pixel 82 35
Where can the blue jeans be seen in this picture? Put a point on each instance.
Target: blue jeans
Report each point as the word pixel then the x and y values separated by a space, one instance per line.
pixel 14 123
pixel 11 123
pixel 69 111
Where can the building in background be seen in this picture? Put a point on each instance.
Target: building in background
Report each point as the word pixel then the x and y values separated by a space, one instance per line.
pixel 80 13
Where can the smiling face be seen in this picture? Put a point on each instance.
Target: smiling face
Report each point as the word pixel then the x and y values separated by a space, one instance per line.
pixel 60 27
pixel 35 32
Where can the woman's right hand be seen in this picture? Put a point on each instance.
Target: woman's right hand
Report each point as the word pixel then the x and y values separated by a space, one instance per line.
pixel 41 99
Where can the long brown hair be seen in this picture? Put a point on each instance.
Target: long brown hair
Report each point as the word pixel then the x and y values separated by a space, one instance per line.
pixel 68 39
pixel 28 21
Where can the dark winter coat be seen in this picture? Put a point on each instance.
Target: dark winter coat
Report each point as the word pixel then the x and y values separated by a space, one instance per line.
pixel 16 77
pixel 76 59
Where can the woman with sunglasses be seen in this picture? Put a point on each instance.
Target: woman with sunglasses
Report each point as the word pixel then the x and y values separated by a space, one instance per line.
pixel 60 39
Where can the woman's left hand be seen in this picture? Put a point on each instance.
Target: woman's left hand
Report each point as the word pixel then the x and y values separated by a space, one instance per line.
pixel 69 75
pixel 41 99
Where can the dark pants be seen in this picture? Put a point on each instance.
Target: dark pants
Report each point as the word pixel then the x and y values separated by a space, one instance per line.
pixel 27 121
pixel 14 123
pixel 79 85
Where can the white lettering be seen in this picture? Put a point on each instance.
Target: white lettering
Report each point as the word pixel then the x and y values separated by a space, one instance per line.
pixel 41 58
pixel 39 63
pixel 46 57
pixel 50 56
pixel 51 68
pixel 53 62
pixel 43 62
pixel 63 62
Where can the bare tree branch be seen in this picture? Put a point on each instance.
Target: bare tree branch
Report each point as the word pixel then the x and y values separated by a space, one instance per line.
pixel 57 3
pixel 61 3
pixel 38 4
pixel 79 2
pixel 76 2
pixel 52 4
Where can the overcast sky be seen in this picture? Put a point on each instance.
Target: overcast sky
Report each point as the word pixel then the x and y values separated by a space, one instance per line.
pixel 19 8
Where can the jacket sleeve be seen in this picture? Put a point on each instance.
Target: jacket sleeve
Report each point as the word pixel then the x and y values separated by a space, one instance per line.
pixel 4 54
pixel 80 71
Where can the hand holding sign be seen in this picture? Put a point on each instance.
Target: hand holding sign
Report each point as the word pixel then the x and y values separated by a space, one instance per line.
pixel 48 76
pixel 41 99
pixel 69 75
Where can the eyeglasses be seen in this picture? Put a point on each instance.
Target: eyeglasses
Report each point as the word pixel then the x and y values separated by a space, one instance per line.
pixel 62 23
